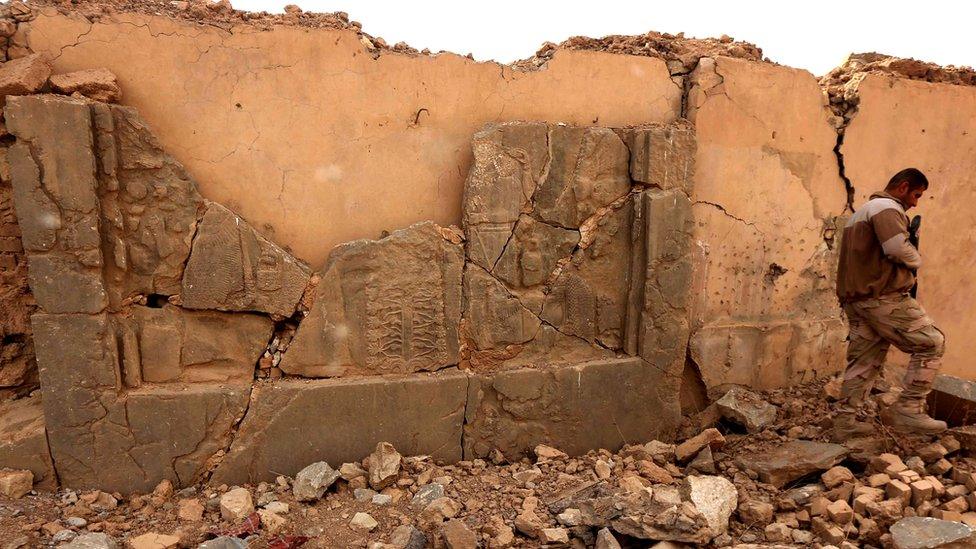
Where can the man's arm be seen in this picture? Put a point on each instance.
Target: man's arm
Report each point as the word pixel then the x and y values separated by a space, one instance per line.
pixel 891 228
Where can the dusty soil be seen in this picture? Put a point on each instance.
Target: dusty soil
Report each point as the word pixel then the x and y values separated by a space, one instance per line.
pixel 489 495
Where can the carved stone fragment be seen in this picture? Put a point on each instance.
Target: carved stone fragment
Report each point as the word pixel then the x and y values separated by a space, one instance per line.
pixel 662 155
pixel 233 268
pixel 588 170
pixel 509 160
pixel 384 306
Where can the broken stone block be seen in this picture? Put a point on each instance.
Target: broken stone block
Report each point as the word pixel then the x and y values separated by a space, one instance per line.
pixel 930 533
pixel 127 441
pixel 15 484
pixel 25 75
pixel 233 268
pixel 236 505
pixel 709 437
pixel 457 535
pixel 312 481
pixel 569 407
pixel 383 465
pixel 509 160
pixel 171 344
pixel 23 441
pixel 840 512
pixel 386 306
pixel 663 156
pixel 588 170
pixel 95 84
pixel 747 409
pixel 55 193
pixel 417 414
pixel 953 400
pixel 715 497
pixel 792 460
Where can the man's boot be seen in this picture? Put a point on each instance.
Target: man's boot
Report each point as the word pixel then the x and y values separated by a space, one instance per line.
pixel 847 424
pixel 907 416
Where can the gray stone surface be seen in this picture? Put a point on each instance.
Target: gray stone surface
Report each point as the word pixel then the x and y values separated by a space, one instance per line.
pixel 92 541
pixel 418 414
pixel 931 533
pixel 233 268
pixel 746 408
pixel 383 307
pixel 601 404
pixel 792 460
pixel 311 482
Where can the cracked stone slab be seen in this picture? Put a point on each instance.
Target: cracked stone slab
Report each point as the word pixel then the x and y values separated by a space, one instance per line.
pixel 509 160
pixel 577 408
pixel 662 155
pixel 418 414
pixel 589 170
pixel 170 344
pixel 233 268
pixel 383 306
pixel 104 438
pixel 23 441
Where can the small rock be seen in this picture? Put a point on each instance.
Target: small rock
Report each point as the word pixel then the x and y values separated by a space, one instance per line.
pixel 190 510
pixel 605 540
pixel 15 484
pixel 349 471
pixel 363 495
pixel 690 448
pixel 704 462
pixel 63 536
pixel 382 499
pixel 545 453
pixel 384 466
pixel 153 540
pixel 76 522
pixel 312 482
pixel 715 497
pixel 236 505
pixel 277 507
pixel 99 500
pixel 96 84
pixel 756 512
pixel 25 75
pixel 570 517
pixel 224 542
pixel 554 535
pixel 272 522
pixel 440 510
pixel 602 469
pixel 164 489
pixel 362 521
pixel 528 475
pixel 426 494
pixel 747 409
pixel 777 532
pixel 408 537
pixel 835 476
pixel 92 541
pixel 457 535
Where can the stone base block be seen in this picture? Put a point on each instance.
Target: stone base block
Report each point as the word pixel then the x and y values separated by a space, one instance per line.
pixel 291 424
pixel 603 404
pixel 953 400
pixel 23 442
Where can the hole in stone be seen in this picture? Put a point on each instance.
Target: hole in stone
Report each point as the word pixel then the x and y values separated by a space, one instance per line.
pixel 693 394
pixel 156 301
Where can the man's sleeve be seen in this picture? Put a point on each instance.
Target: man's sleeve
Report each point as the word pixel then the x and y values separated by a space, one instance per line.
pixel 891 228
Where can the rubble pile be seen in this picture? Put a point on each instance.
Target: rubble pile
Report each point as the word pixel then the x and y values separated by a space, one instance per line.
pixel 680 53
pixel 737 483
pixel 840 84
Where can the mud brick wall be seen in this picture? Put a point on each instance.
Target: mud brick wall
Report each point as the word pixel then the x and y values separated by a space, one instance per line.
pixel 655 228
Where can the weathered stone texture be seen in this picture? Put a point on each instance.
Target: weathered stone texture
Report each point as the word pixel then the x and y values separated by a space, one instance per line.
pixel 96 84
pixel 765 201
pixel 571 408
pixel 901 123
pixel 233 268
pixel 55 192
pixel 418 414
pixel 25 75
pixel 102 437
pixel 386 306
pixel 23 442
pixel 174 345
pixel 662 155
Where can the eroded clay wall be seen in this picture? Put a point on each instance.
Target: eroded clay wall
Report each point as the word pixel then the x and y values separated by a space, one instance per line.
pixel 314 141
pixel 901 123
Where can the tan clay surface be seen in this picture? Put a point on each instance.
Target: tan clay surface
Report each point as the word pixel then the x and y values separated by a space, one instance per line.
pixel 902 123
pixel 312 140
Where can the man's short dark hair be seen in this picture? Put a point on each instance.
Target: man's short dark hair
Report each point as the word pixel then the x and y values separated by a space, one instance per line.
pixel 915 178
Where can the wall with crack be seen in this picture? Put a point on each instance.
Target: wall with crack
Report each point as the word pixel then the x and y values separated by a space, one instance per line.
pixel 300 131
pixel 900 123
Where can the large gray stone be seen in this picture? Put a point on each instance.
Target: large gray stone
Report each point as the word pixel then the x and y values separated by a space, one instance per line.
pixel 602 404
pixel 385 306
pixel 233 268
pixel 792 460
pixel 418 414
pixel 931 533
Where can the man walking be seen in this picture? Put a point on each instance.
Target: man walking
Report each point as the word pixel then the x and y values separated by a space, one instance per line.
pixel 876 272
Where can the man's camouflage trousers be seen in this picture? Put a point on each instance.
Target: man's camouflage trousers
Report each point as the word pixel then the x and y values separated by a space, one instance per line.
pixel 895 319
